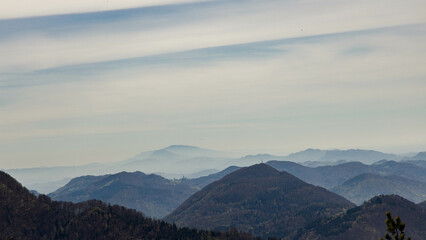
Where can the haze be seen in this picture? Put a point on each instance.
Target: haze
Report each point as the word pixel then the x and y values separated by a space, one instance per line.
pixel 101 81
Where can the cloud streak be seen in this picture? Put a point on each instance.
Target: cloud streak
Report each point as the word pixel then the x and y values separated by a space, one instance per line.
pixel 275 76
pixel 27 8
pixel 134 33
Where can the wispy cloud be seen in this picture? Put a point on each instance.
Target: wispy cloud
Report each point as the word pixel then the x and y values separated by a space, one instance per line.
pixel 27 8
pixel 272 75
pixel 47 42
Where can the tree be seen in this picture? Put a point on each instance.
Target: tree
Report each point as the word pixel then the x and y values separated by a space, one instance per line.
pixel 395 227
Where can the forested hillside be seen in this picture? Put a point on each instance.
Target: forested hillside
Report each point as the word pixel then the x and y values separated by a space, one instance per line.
pixel 25 216
pixel 367 222
pixel 149 193
pixel 260 200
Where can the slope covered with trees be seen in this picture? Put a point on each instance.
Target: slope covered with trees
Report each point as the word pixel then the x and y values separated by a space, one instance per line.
pixel 25 216
pixel 150 194
pixel 260 200
pixel 367 222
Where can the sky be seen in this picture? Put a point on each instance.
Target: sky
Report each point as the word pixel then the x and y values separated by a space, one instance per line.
pixel 101 81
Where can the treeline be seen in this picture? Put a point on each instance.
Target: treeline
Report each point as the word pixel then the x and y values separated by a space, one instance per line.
pixel 25 216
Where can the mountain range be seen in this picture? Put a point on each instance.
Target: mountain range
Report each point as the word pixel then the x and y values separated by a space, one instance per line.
pixel 332 176
pixel 151 194
pixel 157 196
pixel 201 182
pixel 266 203
pixel 176 161
pixel 25 216
pixel 365 186
pixel 259 200
pixel 336 155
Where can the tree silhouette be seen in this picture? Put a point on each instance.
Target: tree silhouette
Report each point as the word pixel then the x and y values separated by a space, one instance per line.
pixel 395 227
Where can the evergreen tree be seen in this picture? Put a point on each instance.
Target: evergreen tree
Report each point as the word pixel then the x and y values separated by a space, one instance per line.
pixel 395 227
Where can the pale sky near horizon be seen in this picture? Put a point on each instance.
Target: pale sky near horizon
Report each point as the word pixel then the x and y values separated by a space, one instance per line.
pixel 100 81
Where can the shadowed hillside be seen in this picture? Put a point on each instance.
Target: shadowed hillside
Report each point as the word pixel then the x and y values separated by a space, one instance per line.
pixel 367 222
pixel 259 200
pixel 25 216
pixel 150 194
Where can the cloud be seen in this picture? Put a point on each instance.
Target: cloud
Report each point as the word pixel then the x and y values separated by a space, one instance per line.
pixel 188 27
pixel 28 8
pixel 235 75
pixel 243 80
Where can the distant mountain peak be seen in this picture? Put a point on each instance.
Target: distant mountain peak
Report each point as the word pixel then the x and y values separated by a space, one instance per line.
pixel 180 147
pixel 258 199
pixel 257 170
pixel 392 199
pixel 420 156
pixel 312 150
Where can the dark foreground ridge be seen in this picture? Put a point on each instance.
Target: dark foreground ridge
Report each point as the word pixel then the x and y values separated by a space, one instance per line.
pixel 367 222
pixel 25 216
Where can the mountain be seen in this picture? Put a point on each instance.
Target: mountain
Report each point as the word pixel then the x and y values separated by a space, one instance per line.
pixel 171 162
pixel 336 175
pixel 176 161
pixel 150 194
pixel 420 163
pixel 307 174
pixel 367 185
pixel 367 222
pixel 202 173
pixel 201 182
pixel 307 155
pixel 48 179
pixel 255 159
pixel 179 152
pixel 260 200
pixel 350 155
pixel 422 204
pixel 324 176
pixel 419 156
pixel 402 169
pixel 357 155
pixel 25 216
pixel 192 151
pixel 332 176
pixel 47 187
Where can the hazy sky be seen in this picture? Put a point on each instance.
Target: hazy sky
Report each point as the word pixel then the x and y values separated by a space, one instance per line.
pixel 98 81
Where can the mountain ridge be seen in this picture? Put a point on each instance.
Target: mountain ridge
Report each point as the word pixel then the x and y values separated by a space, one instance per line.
pixel 367 221
pixel 367 185
pixel 182 160
pixel 27 217
pixel 258 199
pixel 148 193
